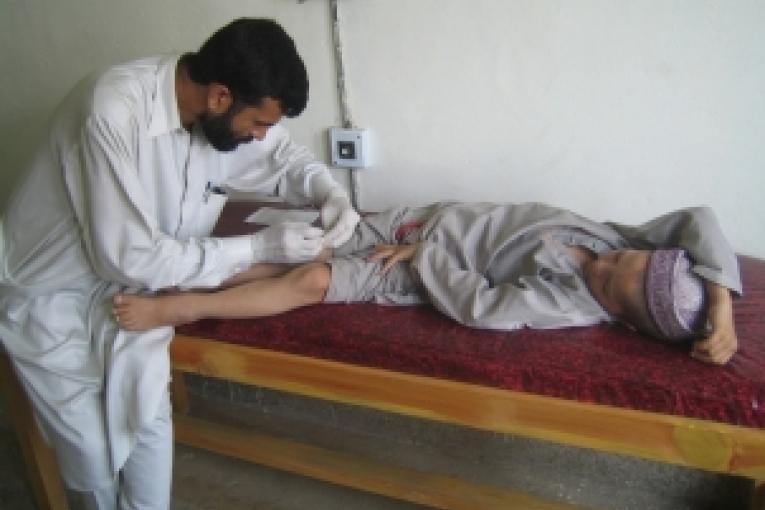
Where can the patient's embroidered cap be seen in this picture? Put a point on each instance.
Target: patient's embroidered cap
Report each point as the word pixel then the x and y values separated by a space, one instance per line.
pixel 675 295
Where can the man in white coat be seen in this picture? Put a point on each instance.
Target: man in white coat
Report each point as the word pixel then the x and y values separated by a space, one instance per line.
pixel 122 195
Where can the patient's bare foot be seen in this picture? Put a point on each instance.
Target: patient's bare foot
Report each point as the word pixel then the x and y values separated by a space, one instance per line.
pixel 139 313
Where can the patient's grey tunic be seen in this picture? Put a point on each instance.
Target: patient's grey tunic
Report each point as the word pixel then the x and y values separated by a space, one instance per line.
pixel 506 266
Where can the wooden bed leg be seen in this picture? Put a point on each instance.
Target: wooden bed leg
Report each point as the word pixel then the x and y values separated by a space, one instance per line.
pixel 41 467
pixel 179 395
pixel 758 496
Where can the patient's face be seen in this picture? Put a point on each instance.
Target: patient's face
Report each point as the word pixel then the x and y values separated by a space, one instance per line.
pixel 616 281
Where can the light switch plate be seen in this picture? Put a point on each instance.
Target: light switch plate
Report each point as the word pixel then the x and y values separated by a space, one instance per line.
pixel 349 148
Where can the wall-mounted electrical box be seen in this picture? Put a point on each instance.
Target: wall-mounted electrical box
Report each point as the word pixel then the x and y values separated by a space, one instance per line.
pixel 350 148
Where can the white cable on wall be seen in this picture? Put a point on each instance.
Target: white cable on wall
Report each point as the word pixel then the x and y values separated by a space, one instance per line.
pixel 345 111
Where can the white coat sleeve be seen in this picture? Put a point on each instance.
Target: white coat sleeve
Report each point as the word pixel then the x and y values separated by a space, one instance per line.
pixel 696 230
pixel 468 297
pixel 305 180
pixel 280 167
pixel 120 231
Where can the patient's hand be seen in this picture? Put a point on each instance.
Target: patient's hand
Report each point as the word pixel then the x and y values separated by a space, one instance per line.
pixel 392 253
pixel 722 342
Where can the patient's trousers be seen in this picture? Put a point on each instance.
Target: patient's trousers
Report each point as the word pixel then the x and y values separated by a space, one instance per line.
pixel 354 279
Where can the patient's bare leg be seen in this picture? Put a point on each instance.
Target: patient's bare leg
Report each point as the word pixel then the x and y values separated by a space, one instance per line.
pixel 268 270
pixel 302 286
pixel 257 272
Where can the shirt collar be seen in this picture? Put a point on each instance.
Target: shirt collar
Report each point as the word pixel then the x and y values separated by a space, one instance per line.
pixel 164 111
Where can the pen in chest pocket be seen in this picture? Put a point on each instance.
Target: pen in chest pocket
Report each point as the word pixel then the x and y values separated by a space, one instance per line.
pixel 212 189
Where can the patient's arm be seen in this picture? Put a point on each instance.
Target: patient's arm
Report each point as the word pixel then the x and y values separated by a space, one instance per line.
pixel 697 231
pixel 469 297
pixel 722 342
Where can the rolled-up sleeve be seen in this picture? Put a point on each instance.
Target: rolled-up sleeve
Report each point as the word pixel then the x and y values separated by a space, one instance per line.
pixel 278 166
pixel 305 180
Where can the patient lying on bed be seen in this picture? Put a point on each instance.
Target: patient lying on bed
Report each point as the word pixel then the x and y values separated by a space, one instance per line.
pixel 500 266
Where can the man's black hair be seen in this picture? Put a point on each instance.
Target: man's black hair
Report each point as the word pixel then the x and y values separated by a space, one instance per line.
pixel 255 59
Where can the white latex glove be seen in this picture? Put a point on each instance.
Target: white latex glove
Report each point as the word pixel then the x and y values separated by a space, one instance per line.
pixel 287 242
pixel 339 219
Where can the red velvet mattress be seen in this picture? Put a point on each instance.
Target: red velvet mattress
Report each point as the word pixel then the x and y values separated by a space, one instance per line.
pixel 602 364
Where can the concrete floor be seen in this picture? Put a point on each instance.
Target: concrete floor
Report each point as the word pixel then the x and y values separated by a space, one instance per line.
pixel 204 481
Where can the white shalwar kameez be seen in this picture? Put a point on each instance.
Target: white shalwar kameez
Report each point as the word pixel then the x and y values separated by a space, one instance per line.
pixel 120 196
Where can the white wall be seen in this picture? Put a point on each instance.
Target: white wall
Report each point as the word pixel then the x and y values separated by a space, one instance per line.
pixel 617 109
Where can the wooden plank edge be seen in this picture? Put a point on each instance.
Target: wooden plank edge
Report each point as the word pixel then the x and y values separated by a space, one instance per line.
pixel 39 460
pixel 437 491
pixel 678 440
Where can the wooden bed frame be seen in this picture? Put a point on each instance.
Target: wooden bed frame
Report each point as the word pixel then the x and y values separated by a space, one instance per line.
pixel 682 441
